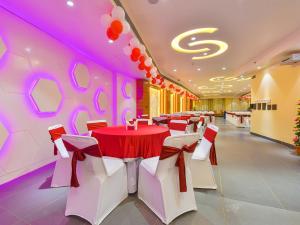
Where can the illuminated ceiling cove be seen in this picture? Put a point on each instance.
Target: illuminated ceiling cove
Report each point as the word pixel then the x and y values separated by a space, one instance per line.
pixel 207 52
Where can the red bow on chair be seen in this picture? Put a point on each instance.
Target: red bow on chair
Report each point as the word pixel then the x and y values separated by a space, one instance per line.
pixel 79 154
pixel 210 135
pixel 168 151
pixel 56 134
pixel 195 123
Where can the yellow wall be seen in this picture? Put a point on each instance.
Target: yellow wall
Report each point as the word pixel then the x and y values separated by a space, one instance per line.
pixel 219 105
pixel 280 84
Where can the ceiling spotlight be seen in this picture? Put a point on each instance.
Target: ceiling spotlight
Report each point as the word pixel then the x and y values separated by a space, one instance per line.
pixel 223 68
pixel 174 70
pixel 190 80
pixel 70 3
pixel 110 41
pixel 258 67
pixel 193 38
pixel 205 53
pixel 198 69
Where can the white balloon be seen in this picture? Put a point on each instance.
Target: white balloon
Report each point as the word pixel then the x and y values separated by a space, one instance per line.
pixel 148 61
pixel 118 12
pixel 134 42
pixel 106 19
pixel 153 72
pixel 143 49
pixel 127 50
pixel 126 27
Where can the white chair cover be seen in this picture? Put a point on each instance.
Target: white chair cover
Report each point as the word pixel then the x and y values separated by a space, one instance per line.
pixel 159 183
pixel 202 172
pixel 95 124
pixel 103 183
pixel 62 172
pixel 176 125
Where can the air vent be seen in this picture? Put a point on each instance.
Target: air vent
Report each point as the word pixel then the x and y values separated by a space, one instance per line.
pixel 291 59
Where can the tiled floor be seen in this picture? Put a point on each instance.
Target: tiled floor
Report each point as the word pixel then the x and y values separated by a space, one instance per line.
pixel 258 180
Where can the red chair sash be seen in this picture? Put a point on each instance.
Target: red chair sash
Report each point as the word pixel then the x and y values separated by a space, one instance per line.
pixel 210 134
pixel 79 154
pixel 177 126
pixel 168 151
pixel 195 123
pixel 213 155
pixel 142 122
pixel 202 120
pixel 56 134
pixel 96 125
pixel 145 117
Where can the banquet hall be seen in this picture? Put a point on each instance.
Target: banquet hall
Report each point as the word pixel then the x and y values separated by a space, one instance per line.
pixel 150 112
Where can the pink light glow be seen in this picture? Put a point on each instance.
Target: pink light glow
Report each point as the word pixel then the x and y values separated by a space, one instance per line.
pixel 73 79
pixel 125 94
pixel 96 102
pixel 6 125
pixel 73 116
pixel 30 85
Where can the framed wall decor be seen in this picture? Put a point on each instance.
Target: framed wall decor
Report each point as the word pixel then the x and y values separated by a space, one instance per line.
pixel 274 106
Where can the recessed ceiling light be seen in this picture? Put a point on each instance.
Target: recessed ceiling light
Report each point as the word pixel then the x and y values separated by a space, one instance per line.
pixel 205 53
pixel 70 3
pixel 223 68
pixel 258 67
pixel 174 70
pixel 190 80
pixel 198 69
pixel 193 38
pixel 110 41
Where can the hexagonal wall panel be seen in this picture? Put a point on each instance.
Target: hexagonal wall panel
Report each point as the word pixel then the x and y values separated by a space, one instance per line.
pixel 127 89
pixel 80 117
pixel 2 48
pixel 46 95
pixel 3 135
pixel 126 115
pixel 81 76
pixel 101 102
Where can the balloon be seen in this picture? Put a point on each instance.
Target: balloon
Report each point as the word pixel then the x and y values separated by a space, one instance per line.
pixel 148 61
pixel 143 49
pixel 133 58
pixel 158 76
pixel 126 27
pixel 134 42
pixel 118 12
pixel 142 59
pixel 148 75
pixel 153 81
pixel 147 68
pixel 136 52
pixel 111 35
pixel 127 50
pixel 141 66
pixel 153 70
pixel 106 20
pixel 116 26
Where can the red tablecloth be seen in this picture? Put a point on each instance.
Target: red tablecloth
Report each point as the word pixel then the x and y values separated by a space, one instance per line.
pixel 144 142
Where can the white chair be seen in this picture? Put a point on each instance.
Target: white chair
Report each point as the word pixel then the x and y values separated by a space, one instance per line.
pixel 159 186
pixel 143 122
pixel 62 172
pixel 202 172
pixel 95 124
pixel 178 127
pixel 103 183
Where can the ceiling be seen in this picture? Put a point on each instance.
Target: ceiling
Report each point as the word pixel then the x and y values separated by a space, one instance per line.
pixel 248 27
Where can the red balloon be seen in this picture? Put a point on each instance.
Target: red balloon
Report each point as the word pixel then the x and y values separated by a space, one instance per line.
pixel 116 26
pixel 171 86
pixel 136 52
pixel 142 59
pixel 153 81
pixel 147 68
pixel 111 35
pixel 157 76
pixel 133 58
pixel 141 66
pixel 148 75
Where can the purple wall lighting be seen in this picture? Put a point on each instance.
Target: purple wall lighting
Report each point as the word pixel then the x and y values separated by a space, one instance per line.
pixel 44 95
pixel 80 76
pixel 124 89
pixel 97 101
pixel 4 133
pixel 76 118
pixel 124 115
pixel 3 51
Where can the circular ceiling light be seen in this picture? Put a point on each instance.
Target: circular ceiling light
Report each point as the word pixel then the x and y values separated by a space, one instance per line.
pixel 244 78
pixel 206 88
pixel 70 3
pixel 223 46
pixel 222 79
pixel 224 85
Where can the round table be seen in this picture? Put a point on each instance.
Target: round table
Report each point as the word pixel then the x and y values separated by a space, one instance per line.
pixel 131 145
pixel 145 142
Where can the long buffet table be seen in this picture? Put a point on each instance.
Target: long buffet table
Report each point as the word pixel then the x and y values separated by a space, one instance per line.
pixel 239 119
